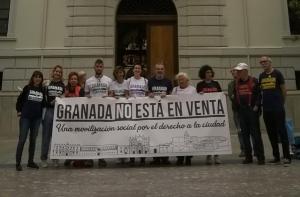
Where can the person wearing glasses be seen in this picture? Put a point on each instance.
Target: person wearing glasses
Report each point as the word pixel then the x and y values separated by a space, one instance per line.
pixel 273 89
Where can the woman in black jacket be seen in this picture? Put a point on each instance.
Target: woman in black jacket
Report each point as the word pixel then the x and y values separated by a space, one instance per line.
pixel 29 108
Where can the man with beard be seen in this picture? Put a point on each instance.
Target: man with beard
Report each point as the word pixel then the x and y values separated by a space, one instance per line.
pixel 97 86
pixel 159 86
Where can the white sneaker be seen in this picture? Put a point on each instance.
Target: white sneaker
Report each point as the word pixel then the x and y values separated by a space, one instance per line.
pixel 217 159
pixel 44 164
pixel 56 163
pixel 291 150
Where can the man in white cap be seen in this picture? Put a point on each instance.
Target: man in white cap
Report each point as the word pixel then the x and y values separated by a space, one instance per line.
pixel 247 95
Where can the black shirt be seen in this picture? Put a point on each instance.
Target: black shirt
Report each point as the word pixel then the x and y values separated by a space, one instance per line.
pixel 208 87
pixel 160 86
pixel 272 98
pixel 53 90
pixel 30 102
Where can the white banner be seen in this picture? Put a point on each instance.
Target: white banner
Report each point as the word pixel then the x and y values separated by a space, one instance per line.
pixel 92 128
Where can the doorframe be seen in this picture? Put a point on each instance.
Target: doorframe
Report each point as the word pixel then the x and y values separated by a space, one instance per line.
pixel 150 19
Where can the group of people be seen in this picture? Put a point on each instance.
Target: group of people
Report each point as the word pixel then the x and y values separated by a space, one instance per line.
pixel 248 95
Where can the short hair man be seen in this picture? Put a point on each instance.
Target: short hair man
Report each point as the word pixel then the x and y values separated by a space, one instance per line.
pixel 273 97
pixel 97 86
pixel 159 86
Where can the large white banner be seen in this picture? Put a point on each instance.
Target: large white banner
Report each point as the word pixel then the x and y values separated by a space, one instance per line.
pixel 92 128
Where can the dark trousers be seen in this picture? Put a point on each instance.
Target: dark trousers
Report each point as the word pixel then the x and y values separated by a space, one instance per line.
pixel 275 125
pixel 27 125
pixel 249 121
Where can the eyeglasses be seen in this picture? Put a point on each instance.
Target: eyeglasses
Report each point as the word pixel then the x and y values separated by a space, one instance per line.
pixel 263 61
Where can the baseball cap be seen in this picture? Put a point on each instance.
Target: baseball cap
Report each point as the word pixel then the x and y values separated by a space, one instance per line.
pixel 241 66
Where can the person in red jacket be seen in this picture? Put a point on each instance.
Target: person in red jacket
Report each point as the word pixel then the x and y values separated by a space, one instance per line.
pixel 74 89
pixel 247 96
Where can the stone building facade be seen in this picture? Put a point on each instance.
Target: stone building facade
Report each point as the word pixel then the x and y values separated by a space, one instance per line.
pixel 73 33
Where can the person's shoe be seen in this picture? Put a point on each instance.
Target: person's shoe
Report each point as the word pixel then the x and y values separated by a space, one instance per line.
pixel 156 161
pixel 261 162
pixel 179 162
pixel 166 162
pixel 131 162
pixel 44 164
pixel 188 161
pixel 275 161
pixel 102 163
pixel 32 165
pixel 89 163
pixel 217 160
pixel 143 161
pixel 247 161
pixel 56 163
pixel 19 167
pixel 67 163
pixel 209 160
pixel 286 162
pixel 121 161
pixel 242 154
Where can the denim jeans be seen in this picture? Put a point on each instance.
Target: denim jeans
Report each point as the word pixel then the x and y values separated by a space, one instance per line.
pixel 47 132
pixel 26 125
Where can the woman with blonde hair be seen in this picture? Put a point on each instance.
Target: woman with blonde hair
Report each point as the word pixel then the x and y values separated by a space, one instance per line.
pixel 55 88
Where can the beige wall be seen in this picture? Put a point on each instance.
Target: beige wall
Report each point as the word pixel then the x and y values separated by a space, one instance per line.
pixel 74 33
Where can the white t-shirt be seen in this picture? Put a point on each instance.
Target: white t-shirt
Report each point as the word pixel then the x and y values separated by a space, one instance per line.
pixel 188 90
pixel 97 86
pixel 118 88
pixel 137 87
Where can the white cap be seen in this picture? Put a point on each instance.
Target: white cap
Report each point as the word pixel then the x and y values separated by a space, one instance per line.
pixel 241 66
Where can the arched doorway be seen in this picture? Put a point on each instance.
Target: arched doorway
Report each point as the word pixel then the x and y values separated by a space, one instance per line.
pixel 146 32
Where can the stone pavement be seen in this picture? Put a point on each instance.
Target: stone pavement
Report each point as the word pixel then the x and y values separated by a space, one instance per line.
pixel 228 179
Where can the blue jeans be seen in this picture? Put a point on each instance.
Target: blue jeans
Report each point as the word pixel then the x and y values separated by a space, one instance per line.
pixel 47 132
pixel 26 125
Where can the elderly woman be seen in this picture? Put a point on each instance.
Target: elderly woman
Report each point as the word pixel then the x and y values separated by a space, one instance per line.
pixel 183 88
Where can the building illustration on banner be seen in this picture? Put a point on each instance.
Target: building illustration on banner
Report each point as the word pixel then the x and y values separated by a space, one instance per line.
pixel 140 144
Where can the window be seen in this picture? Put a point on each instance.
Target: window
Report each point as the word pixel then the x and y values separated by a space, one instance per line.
pixel 294 16
pixel 4 16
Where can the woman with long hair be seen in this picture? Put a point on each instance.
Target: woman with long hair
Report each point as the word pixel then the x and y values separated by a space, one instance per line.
pixel 29 108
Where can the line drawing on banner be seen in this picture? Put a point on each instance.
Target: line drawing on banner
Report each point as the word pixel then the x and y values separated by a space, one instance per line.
pixel 140 145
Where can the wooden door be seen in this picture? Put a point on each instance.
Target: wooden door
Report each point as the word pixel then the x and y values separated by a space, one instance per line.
pixel 162 47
